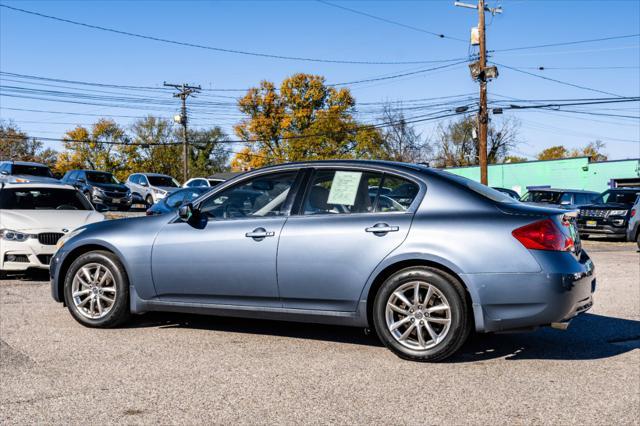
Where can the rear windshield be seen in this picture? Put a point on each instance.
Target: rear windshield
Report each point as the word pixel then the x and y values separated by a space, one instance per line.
pixel 550 197
pixel 622 197
pixel 162 181
pixel 21 169
pixel 481 189
pixel 43 199
pixel 101 177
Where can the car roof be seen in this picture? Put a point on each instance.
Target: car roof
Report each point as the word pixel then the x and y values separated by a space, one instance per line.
pixel 24 163
pixel 151 174
pixel 37 185
pixel 630 189
pixel 409 167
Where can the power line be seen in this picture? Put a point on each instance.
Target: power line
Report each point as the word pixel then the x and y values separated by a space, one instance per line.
pixel 389 21
pixel 212 48
pixel 398 75
pixel 558 81
pixel 567 43
pixel 544 68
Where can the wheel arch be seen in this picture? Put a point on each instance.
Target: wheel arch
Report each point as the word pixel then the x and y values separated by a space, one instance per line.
pixel 73 255
pixel 392 267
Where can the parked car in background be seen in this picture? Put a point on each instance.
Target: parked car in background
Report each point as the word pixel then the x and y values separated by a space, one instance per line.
pixel 510 192
pixel 33 216
pixel 609 215
pixel 563 198
pixel 25 171
pixel 633 229
pixel 176 199
pixel 307 241
pixel 211 181
pixel 151 187
pixel 101 188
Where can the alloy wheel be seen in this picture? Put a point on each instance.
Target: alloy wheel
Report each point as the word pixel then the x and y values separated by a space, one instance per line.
pixel 418 315
pixel 93 291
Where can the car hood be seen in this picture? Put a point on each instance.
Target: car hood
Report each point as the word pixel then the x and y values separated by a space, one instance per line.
pixel 30 178
pixel 110 186
pixel 27 220
pixel 168 189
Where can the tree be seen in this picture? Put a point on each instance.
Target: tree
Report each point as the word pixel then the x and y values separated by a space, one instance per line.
pixel 593 150
pixel 553 153
pixel 103 147
pixel 515 159
pixel 305 119
pixel 457 146
pixel 159 148
pixel 17 145
pixel 401 140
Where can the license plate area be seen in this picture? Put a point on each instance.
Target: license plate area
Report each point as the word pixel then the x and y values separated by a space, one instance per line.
pixel 591 223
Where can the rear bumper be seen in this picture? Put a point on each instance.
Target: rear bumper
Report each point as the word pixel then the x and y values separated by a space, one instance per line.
pixel 561 291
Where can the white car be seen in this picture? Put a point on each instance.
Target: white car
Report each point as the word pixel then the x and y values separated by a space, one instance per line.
pixel 151 187
pixel 200 181
pixel 33 217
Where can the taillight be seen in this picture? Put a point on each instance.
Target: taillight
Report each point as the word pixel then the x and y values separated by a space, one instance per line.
pixel 543 235
pixel 633 212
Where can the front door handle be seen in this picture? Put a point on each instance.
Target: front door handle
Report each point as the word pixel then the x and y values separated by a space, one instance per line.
pixel 382 228
pixel 259 234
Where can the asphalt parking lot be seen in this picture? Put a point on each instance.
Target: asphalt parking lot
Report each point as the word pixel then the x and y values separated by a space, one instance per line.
pixel 169 368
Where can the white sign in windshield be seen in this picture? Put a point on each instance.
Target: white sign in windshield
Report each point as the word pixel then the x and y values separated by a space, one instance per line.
pixel 344 188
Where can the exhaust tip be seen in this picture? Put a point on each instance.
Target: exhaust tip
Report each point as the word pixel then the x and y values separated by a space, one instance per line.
pixel 560 325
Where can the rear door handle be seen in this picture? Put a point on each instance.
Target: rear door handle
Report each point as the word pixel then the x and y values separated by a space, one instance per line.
pixel 259 234
pixel 382 228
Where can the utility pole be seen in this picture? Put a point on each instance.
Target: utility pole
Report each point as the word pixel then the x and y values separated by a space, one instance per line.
pixel 482 73
pixel 184 91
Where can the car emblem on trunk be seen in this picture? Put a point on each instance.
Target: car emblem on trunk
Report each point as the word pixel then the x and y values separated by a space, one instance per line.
pixel 65 230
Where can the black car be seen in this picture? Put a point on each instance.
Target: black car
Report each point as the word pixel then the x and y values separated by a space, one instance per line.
pixel 609 215
pixel 561 198
pixel 176 199
pixel 101 188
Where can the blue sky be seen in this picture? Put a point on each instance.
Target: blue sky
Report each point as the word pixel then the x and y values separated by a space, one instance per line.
pixel 36 46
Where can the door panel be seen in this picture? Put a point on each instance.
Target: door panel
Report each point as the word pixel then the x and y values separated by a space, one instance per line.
pixel 325 261
pixel 220 263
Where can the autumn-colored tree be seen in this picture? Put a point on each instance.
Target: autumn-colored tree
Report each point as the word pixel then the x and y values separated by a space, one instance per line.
pixel 456 145
pixel 593 150
pixel 17 145
pixel 103 147
pixel 305 119
pixel 515 159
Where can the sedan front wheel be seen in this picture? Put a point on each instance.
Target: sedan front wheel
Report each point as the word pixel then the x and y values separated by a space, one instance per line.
pixel 96 290
pixel 421 314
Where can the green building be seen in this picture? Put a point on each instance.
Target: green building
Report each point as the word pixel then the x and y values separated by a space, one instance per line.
pixel 569 173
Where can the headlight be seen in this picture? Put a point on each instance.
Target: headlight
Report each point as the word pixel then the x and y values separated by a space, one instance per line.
pixel 97 191
pixel 9 235
pixel 66 237
pixel 158 191
pixel 617 213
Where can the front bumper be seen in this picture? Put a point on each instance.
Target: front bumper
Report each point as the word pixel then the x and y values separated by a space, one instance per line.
pixel 20 256
pixel 563 289
pixel 615 226
pixel 118 203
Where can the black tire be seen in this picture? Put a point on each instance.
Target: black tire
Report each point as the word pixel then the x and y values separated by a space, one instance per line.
pixel 149 200
pixel 638 240
pixel 460 317
pixel 119 313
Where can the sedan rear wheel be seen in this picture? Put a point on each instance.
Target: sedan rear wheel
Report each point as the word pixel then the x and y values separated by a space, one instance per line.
pixel 421 314
pixel 96 290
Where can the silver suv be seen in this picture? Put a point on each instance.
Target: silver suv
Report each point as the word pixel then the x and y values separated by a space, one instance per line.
pixel 25 171
pixel 151 187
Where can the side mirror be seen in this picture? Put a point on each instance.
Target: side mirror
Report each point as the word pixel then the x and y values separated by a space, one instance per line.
pixel 185 211
pixel 81 180
pixel 4 173
pixel 565 203
pixel 144 184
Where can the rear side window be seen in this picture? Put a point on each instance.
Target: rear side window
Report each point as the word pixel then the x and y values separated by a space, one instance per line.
pixel 396 194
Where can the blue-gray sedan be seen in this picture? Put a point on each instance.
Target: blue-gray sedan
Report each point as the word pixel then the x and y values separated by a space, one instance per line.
pixel 420 255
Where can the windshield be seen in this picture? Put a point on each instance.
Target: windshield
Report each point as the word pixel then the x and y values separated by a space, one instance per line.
pixel 622 197
pixel 42 199
pixel 21 169
pixel 162 181
pixel 550 197
pixel 101 177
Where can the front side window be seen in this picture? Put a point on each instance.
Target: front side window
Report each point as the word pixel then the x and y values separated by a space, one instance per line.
pixel 258 197
pixel 42 199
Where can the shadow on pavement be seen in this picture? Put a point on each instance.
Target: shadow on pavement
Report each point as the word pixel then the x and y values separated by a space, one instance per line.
pixel 35 275
pixel 589 336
